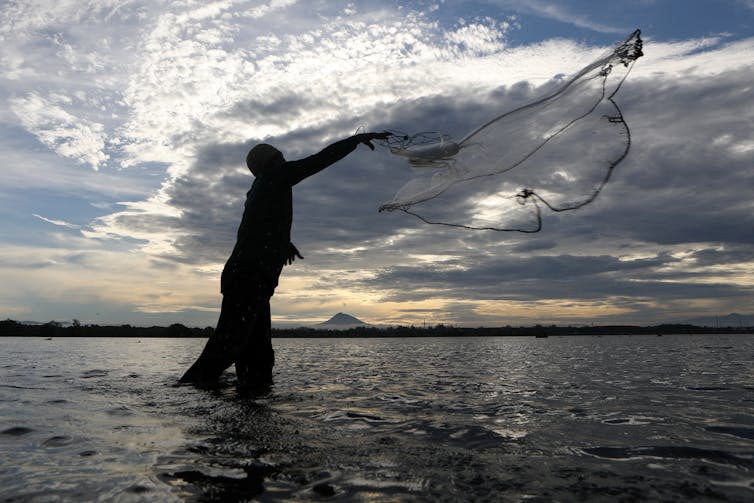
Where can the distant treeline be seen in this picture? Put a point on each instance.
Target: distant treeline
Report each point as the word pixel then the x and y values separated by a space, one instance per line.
pixel 10 328
pixel 76 329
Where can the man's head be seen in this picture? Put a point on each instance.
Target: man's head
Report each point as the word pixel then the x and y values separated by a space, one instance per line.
pixel 263 156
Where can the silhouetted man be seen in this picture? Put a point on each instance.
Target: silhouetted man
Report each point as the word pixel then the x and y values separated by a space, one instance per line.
pixel 263 247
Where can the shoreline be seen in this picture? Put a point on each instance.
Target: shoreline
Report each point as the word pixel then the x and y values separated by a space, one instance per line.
pixel 10 328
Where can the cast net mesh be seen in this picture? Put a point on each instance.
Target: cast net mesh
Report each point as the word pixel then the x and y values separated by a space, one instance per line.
pixel 556 153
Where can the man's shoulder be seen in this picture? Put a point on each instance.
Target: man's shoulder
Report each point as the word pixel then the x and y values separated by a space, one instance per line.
pixel 266 185
pixel 277 175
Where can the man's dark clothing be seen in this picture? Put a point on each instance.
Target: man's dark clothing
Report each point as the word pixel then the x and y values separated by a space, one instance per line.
pixel 264 235
pixel 250 276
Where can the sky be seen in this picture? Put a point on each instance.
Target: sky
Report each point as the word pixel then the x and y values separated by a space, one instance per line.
pixel 125 125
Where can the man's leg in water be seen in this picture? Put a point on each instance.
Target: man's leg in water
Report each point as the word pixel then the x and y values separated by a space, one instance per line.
pixel 222 347
pixel 256 357
pixel 242 335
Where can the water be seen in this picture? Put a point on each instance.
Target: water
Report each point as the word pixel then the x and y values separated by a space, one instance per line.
pixel 499 419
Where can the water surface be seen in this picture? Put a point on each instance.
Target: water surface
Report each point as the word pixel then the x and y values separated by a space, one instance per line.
pixel 428 419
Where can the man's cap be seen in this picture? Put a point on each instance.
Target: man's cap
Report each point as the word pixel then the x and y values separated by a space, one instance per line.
pixel 260 155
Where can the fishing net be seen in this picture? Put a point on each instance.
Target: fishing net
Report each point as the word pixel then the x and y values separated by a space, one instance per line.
pixel 555 153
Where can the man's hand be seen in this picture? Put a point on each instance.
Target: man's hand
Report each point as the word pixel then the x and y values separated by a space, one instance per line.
pixel 292 254
pixel 366 138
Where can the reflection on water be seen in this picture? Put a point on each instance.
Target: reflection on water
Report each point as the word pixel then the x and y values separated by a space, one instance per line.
pixel 561 418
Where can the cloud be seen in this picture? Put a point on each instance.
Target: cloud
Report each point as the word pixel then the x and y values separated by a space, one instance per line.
pixel 60 223
pixel 265 9
pixel 478 39
pixel 66 134
pixel 558 12
pixel 552 277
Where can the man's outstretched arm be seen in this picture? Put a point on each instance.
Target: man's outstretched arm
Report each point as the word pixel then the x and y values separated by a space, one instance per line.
pixel 308 166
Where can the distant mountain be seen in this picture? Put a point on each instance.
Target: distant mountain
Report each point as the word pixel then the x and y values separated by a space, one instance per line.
pixel 341 321
pixel 729 320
